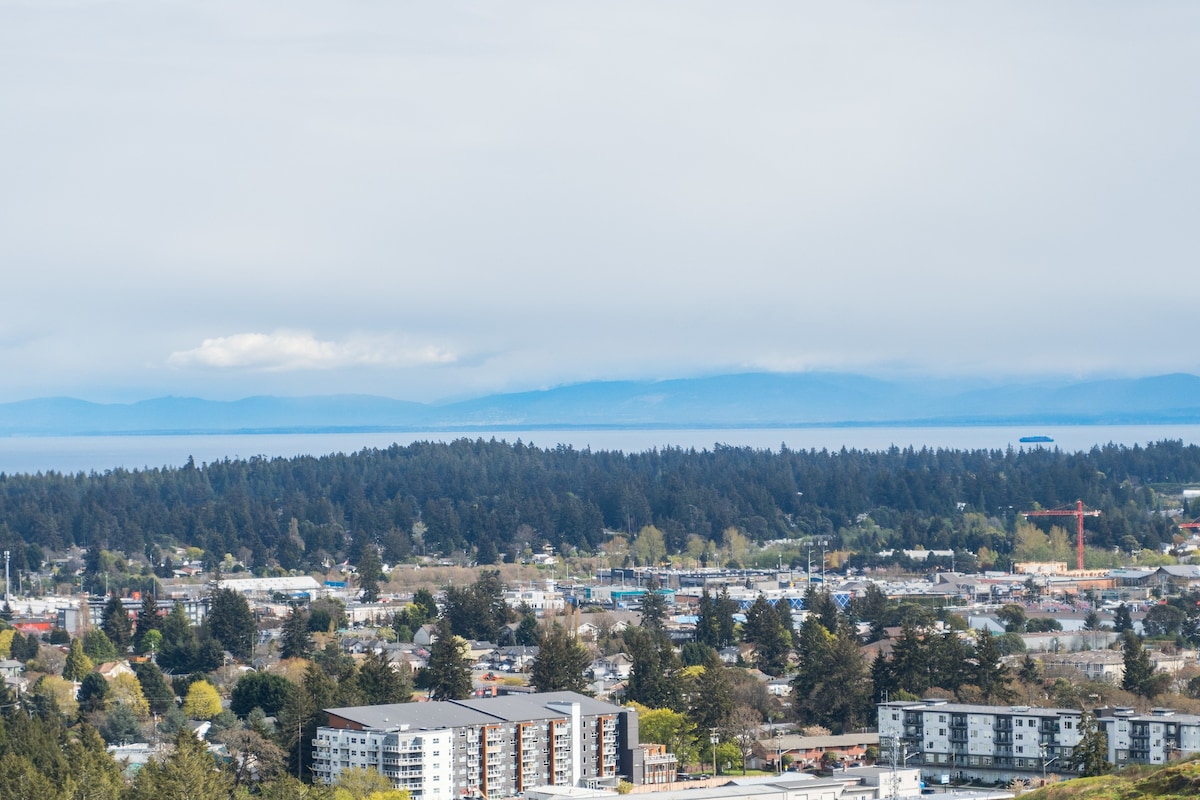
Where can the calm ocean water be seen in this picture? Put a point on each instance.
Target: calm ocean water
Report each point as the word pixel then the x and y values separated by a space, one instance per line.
pixel 99 453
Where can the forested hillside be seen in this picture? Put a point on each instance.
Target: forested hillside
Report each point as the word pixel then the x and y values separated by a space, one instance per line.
pixel 489 497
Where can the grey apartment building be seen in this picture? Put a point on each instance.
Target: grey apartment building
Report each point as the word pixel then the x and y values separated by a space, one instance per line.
pixel 999 743
pixel 487 747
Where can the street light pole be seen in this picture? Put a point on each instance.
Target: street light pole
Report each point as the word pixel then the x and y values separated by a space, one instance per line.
pixel 712 738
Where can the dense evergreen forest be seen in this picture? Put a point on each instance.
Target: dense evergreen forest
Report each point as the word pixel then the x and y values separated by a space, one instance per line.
pixel 487 498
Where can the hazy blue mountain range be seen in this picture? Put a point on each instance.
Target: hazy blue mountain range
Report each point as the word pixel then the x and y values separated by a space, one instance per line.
pixel 746 400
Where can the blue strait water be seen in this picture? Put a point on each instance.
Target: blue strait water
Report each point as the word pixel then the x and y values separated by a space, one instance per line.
pixel 71 454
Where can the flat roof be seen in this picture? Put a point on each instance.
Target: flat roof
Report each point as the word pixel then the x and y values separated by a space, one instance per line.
pixel 439 715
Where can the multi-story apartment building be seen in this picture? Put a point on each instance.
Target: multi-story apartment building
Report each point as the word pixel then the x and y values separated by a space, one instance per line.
pixel 1000 743
pixel 489 747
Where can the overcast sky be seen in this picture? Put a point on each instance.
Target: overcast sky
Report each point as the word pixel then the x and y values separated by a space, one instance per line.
pixel 435 200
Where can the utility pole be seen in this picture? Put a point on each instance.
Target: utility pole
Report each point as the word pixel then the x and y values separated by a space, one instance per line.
pixel 7 555
pixel 824 542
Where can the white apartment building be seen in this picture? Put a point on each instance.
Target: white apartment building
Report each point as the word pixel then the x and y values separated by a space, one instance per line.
pixel 1000 743
pixel 487 747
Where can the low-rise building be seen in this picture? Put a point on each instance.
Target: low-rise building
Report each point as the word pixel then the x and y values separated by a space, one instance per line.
pixel 1000 743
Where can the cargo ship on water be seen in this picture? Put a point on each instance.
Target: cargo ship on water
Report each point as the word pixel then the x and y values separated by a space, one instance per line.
pixel 1035 439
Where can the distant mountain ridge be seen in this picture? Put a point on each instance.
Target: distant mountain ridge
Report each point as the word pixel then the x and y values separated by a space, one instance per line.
pixel 740 400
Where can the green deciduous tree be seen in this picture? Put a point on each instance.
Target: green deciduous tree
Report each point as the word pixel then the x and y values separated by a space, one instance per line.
pixel 648 547
pixel 670 728
pixel 259 690
pixel 253 757
pixel 202 701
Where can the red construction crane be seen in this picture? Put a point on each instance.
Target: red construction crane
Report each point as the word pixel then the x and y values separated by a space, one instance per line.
pixel 1076 512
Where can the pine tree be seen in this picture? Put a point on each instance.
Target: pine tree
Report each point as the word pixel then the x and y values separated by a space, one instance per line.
pixel 380 684
pixel 114 620
pixel 990 674
pixel 708 628
pixel 650 682
pixel 78 665
pixel 765 629
pixel 1090 756
pixel 231 622
pixel 560 663
pixel 297 640
pixel 94 772
pixel 370 570
pixel 818 601
pixel 1031 670
pixel 1138 670
pixel 302 714
pixel 527 632
pixel 159 696
pixel 98 646
pixel 910 661
pixel 93 693
pixel 654 608
pixel 189 773
pixel 448 667
pixel 726 608
pixel 147 620
pixel 1122 619
pixel 712 701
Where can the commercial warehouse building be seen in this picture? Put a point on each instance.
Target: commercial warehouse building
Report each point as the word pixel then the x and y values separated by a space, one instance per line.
pixel 489 747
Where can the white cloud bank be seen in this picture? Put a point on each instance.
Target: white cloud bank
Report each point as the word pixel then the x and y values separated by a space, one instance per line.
pixel 287 351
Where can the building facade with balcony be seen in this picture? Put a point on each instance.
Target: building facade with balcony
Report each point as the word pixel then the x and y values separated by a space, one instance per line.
pixel 977 742
pixel 489 747
pixel 1000 743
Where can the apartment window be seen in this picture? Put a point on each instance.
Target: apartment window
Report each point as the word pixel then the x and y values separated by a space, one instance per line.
pixel 895 716
pixel 941 717
pixel 974 734
pixel 941 731
pixel 1067 725
pixel 1020 723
